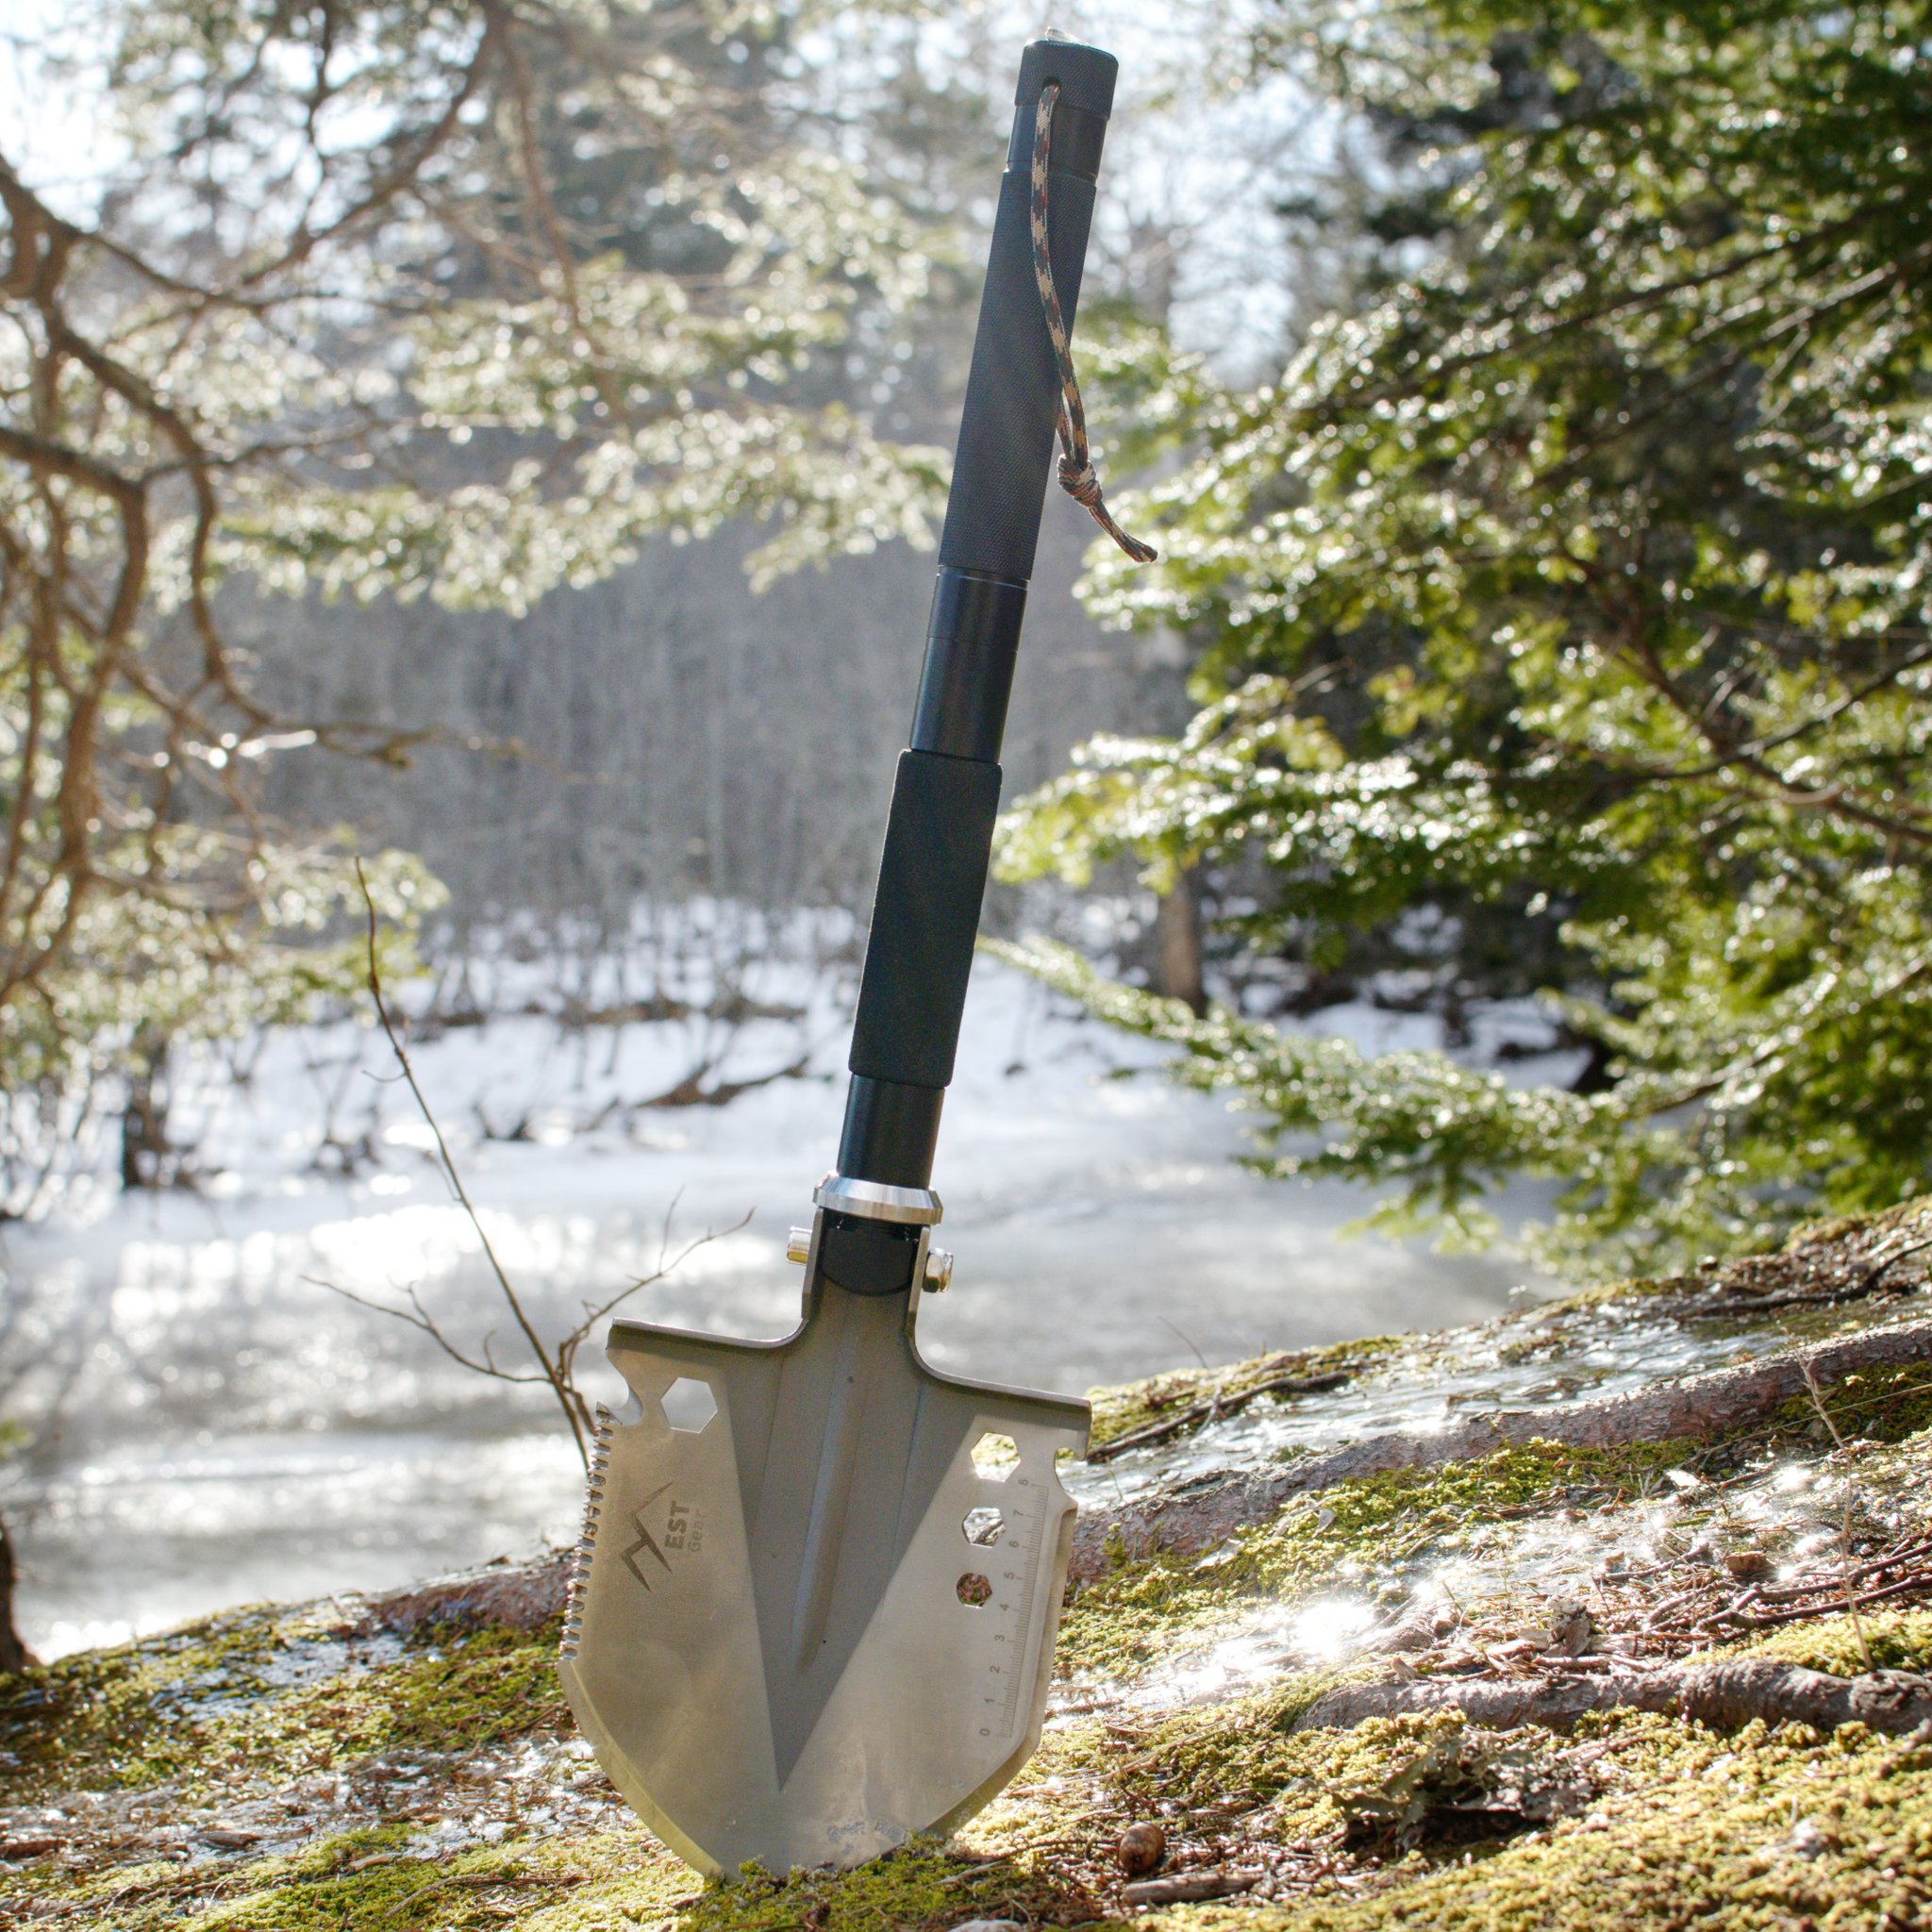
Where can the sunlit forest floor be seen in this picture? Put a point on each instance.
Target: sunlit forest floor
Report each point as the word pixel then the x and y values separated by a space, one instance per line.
pixel 1607 1612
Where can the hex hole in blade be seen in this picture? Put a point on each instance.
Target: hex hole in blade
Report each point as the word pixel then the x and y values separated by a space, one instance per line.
pixel 996 1457
pixel 689 1405
pixel 983 1526
pixel 974 1591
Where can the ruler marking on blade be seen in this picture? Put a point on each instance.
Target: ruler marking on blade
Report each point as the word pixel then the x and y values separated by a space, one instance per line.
pixel 1028 1521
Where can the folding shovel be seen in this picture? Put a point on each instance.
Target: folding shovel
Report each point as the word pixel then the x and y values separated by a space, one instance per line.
pixel 815 1602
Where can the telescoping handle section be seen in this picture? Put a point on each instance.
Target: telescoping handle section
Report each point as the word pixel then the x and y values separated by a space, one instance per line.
pixel 938 839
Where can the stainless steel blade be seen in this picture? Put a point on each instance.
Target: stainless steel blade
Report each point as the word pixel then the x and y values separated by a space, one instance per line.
pixel 815 1606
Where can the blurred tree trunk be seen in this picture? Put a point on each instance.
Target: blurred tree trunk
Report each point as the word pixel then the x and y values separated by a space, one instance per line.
pixel 14 1654
pixel 1177 968
pixel 148 1158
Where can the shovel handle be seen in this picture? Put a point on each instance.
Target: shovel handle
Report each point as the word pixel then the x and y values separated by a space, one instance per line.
pixel 939 838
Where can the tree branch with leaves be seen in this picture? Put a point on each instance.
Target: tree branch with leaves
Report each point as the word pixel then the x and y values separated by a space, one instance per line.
pixel 455 299
pixel 555 1357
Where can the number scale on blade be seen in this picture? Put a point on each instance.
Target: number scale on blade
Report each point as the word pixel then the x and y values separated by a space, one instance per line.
pixel 1007 1641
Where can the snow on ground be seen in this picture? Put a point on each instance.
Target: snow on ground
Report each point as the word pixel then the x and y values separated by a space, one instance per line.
pixel 213 1426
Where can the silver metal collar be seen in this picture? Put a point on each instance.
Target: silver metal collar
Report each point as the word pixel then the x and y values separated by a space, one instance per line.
pixel 877 1201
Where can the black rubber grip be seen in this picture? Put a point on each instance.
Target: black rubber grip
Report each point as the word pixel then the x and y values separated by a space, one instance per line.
pixel 925 916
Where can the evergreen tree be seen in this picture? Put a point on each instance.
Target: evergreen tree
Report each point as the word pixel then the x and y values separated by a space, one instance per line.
pixel 1564 623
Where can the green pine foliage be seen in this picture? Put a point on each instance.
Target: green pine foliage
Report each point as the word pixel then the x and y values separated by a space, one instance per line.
pixel 1573 585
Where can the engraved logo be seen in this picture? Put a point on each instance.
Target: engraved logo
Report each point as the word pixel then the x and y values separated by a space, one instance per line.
pixel 645 1539
pixel 683 1531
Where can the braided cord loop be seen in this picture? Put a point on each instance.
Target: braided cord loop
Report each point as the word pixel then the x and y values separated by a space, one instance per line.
pixel 1078 477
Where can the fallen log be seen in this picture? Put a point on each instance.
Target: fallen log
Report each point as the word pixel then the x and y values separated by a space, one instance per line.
pixel 1724 1695
pixel 517 1596
pixel 1197 1515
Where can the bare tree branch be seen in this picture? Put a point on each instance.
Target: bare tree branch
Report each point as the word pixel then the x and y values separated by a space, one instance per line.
pixel 567 1399
pixel 557 1362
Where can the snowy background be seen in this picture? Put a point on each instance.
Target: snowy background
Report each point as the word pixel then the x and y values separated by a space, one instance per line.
pixel 211 1424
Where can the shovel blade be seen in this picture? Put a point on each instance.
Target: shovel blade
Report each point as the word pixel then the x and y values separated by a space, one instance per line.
pixel 815 1610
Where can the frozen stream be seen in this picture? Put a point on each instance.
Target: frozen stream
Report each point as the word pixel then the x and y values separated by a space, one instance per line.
pixel 211 1426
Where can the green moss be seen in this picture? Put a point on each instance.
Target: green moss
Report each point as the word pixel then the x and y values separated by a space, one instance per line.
pixel 1688 1830
pixel 1677 1828
pixel 919 1887
pixel 162 1894
pixel 197 1705
pixel 534 1886
pixel 138 1713
pixel 454 1691
pixel 1876 1406
pixel 1898 1640
pixel 1245 1755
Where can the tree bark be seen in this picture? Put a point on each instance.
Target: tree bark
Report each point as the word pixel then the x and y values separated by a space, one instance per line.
pixel 514 1596
pixel 148 1158
pixel 1725 1695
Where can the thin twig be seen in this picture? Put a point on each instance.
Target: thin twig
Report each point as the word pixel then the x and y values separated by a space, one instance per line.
pixel 596 1312
pixel 1844 1543
pixel 421 1319
pixel 1213 1411
pixel 557 1365
pixel 1907 1553
pixel 1767 1620
pixel 553 1372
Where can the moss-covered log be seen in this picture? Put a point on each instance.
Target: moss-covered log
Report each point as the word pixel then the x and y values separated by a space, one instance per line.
pixel 1202 1511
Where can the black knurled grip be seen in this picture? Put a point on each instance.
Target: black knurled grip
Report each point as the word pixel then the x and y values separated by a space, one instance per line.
pixel 925 916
